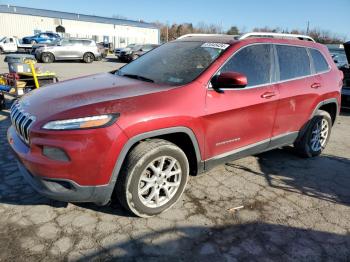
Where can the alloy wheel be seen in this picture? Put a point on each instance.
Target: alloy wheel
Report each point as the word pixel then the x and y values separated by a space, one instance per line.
pixel 319 135
pixel 159 181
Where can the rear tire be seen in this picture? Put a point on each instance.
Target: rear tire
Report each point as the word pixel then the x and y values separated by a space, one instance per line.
pixel 316 136
pixel 47 58
pixel 88 58
pixel 153 177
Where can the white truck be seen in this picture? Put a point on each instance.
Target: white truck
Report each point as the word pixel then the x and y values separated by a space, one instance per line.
pixel 12 44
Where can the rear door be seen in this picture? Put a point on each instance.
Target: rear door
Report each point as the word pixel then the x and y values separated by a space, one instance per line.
pixel 238 119
pixel 298 89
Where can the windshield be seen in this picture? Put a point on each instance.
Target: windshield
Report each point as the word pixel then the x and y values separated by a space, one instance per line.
pixel 2 38
pixel 130 46
pixel 174 63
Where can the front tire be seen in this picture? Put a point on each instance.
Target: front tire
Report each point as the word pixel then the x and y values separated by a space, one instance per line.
pixel 47 58
pixel 316 135
pixel 153 177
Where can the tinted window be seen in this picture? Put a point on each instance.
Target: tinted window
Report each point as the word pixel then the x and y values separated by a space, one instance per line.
pixel 320 62
pixel 254 62
pixel 293 61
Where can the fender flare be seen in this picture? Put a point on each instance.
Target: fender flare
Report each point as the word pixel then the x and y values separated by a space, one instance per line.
pixel 325 102
pixel 132 141
pixel 319 105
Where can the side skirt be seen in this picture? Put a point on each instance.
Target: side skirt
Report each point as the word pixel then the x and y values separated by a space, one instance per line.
pixel 253 149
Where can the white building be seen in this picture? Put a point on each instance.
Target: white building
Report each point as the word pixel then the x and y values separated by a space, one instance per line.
pixel 22 21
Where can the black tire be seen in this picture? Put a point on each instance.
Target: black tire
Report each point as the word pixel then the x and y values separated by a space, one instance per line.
pixel 136 163
pixel 47 57
pixel 303 144
pixel 88 57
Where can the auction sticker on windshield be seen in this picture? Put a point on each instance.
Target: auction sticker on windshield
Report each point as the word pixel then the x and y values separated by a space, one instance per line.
pixel 215 45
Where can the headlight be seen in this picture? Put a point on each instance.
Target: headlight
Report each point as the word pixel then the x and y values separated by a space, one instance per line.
pixel 81 123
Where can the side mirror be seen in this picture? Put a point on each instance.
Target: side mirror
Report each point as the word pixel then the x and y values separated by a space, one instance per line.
pixel 229 80
pixel 335 61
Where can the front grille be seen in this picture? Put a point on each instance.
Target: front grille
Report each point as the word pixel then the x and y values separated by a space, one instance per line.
pixel 22 121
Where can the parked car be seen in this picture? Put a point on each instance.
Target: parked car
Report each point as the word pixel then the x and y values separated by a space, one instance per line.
pixel 12 44
pixel 117 51
pixel 345 68
pixel 45 37
pixel 69 49
pixel 135 52
pixel 179 110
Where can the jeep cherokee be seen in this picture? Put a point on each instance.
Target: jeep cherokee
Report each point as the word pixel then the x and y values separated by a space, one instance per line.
pixel 190 104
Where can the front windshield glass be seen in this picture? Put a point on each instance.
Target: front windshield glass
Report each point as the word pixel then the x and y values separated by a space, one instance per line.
pixel 2 38
pixel 174 63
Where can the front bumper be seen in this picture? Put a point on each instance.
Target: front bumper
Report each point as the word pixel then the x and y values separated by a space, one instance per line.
pixel 345 97
pixel 86 177
pixel 66 190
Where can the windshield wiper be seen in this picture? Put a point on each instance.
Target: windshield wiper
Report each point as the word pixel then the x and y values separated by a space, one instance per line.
pixel 142 78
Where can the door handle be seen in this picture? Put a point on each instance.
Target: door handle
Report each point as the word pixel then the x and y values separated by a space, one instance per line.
pixel 316 85
pixel 268 95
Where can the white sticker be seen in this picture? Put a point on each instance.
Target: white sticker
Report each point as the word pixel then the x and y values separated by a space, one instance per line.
pixel 216 45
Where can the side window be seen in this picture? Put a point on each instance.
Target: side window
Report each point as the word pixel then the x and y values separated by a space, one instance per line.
pixel 293 61
pixel 252 61
pixel 320 62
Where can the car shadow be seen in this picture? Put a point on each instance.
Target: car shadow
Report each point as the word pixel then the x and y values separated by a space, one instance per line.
pixel 241 242
pixel 325 177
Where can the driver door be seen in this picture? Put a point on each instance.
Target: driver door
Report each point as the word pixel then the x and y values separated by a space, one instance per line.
pixel 239 121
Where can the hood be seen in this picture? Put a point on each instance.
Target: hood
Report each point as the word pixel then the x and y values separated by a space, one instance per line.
pixel 91 95
pixel 347 50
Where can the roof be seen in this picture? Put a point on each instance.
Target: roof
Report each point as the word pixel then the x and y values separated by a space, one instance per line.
pixel 72 16
pixel 229 39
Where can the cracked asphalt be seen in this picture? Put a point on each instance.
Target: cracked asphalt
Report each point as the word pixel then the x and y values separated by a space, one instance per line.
pixel 294 209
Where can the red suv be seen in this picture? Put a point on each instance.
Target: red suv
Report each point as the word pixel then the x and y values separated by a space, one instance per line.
pixel 176 111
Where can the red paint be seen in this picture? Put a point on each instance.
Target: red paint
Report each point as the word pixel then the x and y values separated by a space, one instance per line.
pixel 252 115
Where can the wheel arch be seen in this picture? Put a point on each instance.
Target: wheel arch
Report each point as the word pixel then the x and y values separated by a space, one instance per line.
pixel 172 134
pixel 329 105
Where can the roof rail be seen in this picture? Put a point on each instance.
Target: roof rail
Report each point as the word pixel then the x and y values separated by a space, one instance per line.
pixel 277 35
pixel 194 35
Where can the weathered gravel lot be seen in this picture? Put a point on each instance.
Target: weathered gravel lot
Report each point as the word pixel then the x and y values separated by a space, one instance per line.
pixel 294 210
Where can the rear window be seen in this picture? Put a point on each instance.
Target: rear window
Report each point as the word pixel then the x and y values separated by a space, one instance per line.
pixel 293 62
pixel 320 62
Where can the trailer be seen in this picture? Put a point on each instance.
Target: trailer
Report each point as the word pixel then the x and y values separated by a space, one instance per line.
pixel 13 44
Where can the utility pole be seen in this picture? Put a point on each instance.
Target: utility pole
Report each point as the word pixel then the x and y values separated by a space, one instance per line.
pixel 308 27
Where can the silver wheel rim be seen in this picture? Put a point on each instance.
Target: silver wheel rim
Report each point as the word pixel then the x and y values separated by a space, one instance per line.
pixel 159 181
pixel 88 58
pixel 319 135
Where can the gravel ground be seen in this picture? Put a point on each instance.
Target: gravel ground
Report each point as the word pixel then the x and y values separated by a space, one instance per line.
pixel 294 209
